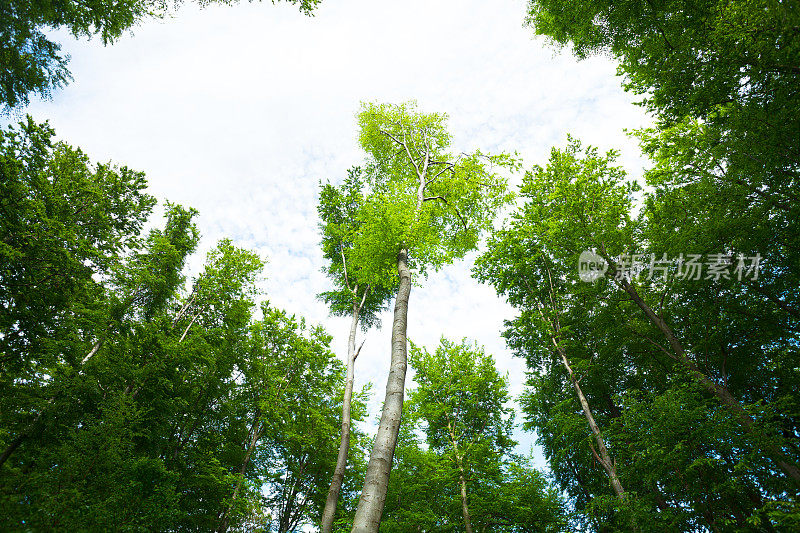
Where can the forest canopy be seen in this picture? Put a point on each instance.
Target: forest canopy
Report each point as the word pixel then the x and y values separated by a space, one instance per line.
pixel 657 317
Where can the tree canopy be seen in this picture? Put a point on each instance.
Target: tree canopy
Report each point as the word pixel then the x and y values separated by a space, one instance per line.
pixel 658 318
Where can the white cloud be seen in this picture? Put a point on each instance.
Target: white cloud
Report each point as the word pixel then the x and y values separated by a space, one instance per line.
pixel 240 111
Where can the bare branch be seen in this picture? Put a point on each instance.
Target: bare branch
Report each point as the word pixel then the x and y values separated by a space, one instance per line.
pixel 186 306
pixel 449 166
pixel 455 209
pixel 195 317
pixel 355 356
pixel 344 264
pixel 94 350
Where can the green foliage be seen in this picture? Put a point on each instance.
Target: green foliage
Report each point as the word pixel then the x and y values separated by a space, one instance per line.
pixel 295 383
pixel 460 404
pixel 527 502
pixel 722 61
pixel 461 398
pixel 340 212
pixel 721 79
pixel 684 458
pixel 128 404
pixel 66 226
pixel 422 491
pixel 421 198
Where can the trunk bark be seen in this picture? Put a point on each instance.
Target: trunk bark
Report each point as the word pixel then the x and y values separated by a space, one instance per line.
pixel 462 478
pixel 602 455
pixel 464 509
pixel 344 446
pixel 376 482
pixel 721 392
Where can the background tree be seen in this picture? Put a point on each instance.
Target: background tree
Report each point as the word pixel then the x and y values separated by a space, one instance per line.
pixel 300 437
pixel 526 502
pixel 67 225
pixel 461 399
pixel 459 385
pixel 425 208
pixel 128 402
pixel 420 488
pixel 622 352
pixel 340 223
pixel 730 64
pixel 290 390
pixel 528 260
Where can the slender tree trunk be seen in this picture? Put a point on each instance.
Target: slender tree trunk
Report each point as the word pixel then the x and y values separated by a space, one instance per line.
pixel 720 391
pixel 464 509
pixel 462 478
pixel 344 446
pixel 251 446
pixel 290 512
pixel 602 455
pixel 376 482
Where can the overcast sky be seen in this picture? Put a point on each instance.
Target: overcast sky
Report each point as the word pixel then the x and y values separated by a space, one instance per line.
pixel 240 111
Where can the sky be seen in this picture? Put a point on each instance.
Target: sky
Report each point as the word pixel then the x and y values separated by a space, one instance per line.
pixel 240 111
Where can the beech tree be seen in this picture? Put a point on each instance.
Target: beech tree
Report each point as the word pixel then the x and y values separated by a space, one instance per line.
pixel 75 267
pixel 340 223
pixel 299 402
pixel 425 208
pixel 720 78
pixel 525 262
pixel 64 221
pixel 462 399
pixel 463 475
pixel 129 402
pixel 731 64
pixel 629 337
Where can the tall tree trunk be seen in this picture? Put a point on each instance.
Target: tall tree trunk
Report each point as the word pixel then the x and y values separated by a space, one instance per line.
pixel 602 455
pixel 464 508
pixel 376 481
pixel 344 446
pixel 462 478
pixel 720 391
pixel 256 434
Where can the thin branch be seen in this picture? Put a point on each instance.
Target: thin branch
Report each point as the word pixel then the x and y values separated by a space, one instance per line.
pixel 195 317
pixel 355 356
pixel 450 166
pixel 185 307
pixel 344 265
pixel 455 209
pixel 657 345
